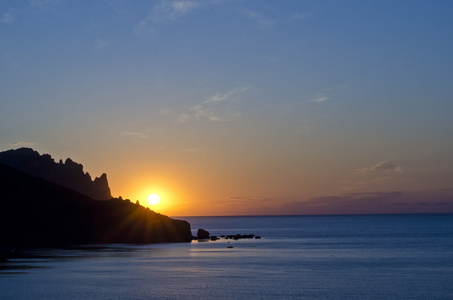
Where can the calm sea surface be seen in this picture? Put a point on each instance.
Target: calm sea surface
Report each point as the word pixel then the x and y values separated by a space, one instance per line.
pixel 298 257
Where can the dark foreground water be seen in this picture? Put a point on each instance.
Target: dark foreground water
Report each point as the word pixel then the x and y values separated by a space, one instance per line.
pixel 303 257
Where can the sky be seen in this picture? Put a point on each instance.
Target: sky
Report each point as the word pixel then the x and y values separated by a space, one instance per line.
pixel 238 107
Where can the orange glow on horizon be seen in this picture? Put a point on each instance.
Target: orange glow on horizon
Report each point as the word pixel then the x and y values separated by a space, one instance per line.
pixel 148 195
pixel 172 201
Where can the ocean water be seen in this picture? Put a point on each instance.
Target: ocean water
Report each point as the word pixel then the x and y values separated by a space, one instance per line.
pixel 298 257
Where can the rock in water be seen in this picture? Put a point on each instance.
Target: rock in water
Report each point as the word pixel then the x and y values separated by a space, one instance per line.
pixel 202 234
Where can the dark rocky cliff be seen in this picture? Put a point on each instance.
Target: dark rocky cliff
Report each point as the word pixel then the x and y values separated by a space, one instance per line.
pixel 69 174
pixel 36 212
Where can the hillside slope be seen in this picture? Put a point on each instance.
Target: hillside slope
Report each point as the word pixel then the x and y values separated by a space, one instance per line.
pixel 36 212
pixel 68 173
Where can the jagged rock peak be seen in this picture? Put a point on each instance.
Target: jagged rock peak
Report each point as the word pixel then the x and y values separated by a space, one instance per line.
pixel 102 178
pixel 69 174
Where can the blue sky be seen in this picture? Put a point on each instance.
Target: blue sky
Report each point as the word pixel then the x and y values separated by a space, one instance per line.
pixel 238 107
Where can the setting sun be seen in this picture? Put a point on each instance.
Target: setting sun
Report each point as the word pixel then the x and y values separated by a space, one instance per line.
pixel 153 199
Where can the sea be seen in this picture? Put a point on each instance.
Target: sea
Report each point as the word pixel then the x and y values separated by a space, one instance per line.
pixel 407 256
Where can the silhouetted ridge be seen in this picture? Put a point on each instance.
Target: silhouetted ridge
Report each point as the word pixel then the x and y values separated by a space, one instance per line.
pixel 36 212
pixel 69 174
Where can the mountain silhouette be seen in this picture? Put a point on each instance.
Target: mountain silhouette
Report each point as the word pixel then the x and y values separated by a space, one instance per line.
pixel 69 173
pixel 37 212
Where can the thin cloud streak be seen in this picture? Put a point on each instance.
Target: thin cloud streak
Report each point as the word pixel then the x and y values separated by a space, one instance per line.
pixel 134 134
pixel 381 166
pixel 259 18
pixel 265 21
pixel 248 199
pixel 44 3
pixel 319 98
pixel 194 150
pixel 184 7
pixel 168 10
pixel 22 143
pixel 366 182
pixel 171 10
pixel 217 108
pixel 436 201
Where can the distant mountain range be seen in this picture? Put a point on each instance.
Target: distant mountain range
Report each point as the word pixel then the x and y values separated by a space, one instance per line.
pixel 69 174
pixel 37 212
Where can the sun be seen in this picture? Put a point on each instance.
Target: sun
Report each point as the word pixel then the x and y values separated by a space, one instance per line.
pixel 153 199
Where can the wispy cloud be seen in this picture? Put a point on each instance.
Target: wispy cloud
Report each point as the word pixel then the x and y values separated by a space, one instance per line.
pixel 173 9
pixel 246 204
pixel 328 93
pixel 262 20
pixel 346 203
pixel 320 97
pixel 22 143
pixel 134 134
pixel 269 19
pixel 12 14
pixel 385 165
pixel 393 201
pixel 100 44
pixel 242 199
pixel 382 175
pixel 366 182
pixel 194 150
pixel 298 17
pixel 372 203
pixel 228 96
pixel 353 199
pixel 183 7
pixel 7 18
pixel 168 10
pixel 218 107
pixel 44 3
